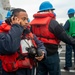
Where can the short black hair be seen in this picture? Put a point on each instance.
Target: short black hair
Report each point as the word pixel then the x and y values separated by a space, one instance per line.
pixel 16 11
pixel 71 15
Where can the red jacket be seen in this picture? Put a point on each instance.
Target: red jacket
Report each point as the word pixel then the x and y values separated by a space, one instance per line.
pixel 40 25
pixel 10 62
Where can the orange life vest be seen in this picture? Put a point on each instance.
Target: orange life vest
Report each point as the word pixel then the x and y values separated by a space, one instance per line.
pixel 40 25
pixel 10 62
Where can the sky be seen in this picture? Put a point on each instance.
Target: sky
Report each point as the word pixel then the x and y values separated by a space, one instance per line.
pixel 32 6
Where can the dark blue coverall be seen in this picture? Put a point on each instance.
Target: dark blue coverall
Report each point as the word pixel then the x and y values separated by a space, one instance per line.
pixel 69 48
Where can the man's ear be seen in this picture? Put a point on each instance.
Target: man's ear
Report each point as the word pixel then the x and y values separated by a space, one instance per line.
pixel 14 18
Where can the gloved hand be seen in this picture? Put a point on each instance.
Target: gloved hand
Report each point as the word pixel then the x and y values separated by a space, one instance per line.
pixel 26 31
pixel 40 57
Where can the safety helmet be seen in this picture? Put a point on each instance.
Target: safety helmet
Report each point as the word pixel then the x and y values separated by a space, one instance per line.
pixel 1 22
pixel 9 13
pixel 28 20
pixel 54 13
pixel 46 5
pixel 70 11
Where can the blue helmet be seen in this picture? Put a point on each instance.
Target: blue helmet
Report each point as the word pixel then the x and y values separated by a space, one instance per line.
pixel 28 20
pixel 1 22
pixel 46 5
pixel 54 14
pixel 70 11
pixel 9 13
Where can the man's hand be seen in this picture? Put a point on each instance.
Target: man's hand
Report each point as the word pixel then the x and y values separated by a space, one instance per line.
pixel 41 57
pixel 15 20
